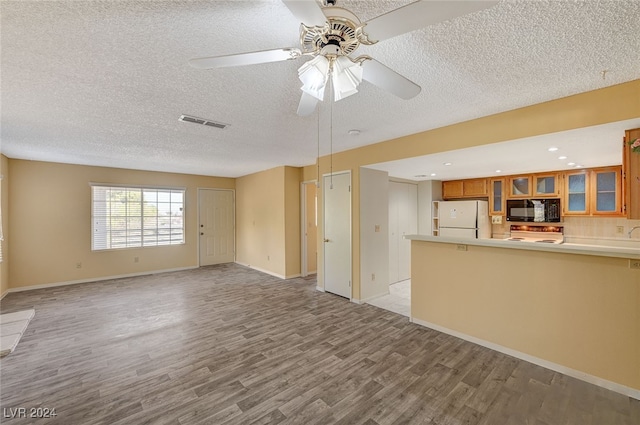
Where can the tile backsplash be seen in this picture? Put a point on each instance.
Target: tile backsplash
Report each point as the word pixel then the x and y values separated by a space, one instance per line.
pixel 586 227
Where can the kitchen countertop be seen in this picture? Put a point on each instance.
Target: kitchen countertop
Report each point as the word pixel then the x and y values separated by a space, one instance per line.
pixel 565 248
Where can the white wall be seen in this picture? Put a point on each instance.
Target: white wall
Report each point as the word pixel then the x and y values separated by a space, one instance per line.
pixel 374 233
pixel 428 191
pixel 403 220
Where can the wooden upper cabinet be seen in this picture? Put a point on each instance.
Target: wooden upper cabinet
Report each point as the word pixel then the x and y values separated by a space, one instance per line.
pixel 496 197
pixel 452 189
pixel 475 188
pixel 519 187
pixel 542 185
pixel 576 193
pixel 470 188
pixel 546 185
pixel 631 175
pixel 606 194
pixel 597 191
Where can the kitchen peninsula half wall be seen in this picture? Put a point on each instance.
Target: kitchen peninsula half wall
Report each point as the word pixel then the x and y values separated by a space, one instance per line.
pixel 571 308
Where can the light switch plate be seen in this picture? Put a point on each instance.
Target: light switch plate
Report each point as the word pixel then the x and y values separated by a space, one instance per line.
pixel 496 219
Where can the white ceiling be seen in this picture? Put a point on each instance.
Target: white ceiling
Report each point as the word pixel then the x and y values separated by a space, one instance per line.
pixel 582 148
pixel 104 82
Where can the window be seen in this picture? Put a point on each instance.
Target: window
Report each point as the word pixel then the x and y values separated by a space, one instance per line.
pixel 127 217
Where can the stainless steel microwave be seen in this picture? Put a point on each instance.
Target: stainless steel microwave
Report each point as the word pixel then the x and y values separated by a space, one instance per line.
pixel 534 210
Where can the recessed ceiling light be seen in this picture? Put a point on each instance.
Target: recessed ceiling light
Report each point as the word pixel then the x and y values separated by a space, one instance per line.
pixel 498 171
pixel 433 174
pixel 447 163
pixel 552 149
pixel 354 132
pixel 562 157
pixel 578 166
pixel 571 163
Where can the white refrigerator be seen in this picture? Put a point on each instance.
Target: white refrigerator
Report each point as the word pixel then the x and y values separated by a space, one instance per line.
pixel 464 219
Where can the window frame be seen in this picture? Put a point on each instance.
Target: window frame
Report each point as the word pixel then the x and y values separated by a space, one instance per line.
pixel 172 201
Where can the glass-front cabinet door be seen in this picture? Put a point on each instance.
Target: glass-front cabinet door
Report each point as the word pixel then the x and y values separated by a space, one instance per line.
pixel 545 185
pixel 576 193
pixel 520 187
pixel 496 197
pixel 606 191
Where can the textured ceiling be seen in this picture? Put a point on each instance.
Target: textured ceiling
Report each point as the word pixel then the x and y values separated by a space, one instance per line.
pixel 104 82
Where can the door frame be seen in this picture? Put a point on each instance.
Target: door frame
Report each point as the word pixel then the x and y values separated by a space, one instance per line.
pixel 233 193
pixel 324 217
pixel 304 267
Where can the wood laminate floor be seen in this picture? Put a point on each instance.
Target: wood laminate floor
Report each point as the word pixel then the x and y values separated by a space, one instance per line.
pixel 229 345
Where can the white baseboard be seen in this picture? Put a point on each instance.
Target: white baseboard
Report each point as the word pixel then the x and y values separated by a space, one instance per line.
pixel 356 301
pixel 292 276
pixel 319 289
pixel 613 386
pixel 3 295
pixel 366 300
pixel 95 279
pixel 259 269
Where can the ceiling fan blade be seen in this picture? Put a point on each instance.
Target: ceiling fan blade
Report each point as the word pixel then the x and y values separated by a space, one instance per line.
pixel 250 58
pixel 418 15
pixel 389 80
pixel 307 104
pixel 307 12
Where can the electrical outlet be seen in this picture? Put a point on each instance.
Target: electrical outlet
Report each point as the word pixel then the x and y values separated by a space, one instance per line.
pixel 373 276
pixel 461 247
pixel 376 228
pixel 619 230
pixel 136 259
pixel 634 264
pixel 496 219
pixel 268 258
pixel 78 265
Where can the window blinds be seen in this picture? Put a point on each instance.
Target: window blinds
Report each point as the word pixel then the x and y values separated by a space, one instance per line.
pixel 127 217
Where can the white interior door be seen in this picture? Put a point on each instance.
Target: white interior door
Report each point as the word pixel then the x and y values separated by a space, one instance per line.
pixel 309 228
pixel 216 226
pixel 337 234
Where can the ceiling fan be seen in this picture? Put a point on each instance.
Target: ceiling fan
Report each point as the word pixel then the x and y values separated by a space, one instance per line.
pixel 330 34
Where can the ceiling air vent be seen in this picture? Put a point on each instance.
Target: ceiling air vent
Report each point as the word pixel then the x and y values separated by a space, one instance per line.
pixel 195 120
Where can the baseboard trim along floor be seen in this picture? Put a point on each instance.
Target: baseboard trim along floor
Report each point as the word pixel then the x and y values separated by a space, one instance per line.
pixel 613 386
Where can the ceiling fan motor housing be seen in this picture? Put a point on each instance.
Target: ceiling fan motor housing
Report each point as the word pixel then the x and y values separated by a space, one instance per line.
pixel 341 36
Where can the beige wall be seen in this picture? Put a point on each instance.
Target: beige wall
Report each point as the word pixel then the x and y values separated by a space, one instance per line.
pixel 611 104
pixel 268 221
pixel 4 265
pixel 50 206
pixel 578 311
pixel 292 180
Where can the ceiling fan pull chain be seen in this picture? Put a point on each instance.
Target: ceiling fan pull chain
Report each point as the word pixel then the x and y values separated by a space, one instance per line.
pixel 331 129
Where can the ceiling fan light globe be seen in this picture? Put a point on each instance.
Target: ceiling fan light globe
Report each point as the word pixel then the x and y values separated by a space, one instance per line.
pixel 346 77
pixel 313 75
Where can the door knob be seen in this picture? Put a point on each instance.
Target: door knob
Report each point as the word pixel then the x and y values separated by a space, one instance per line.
pixel 326 240
pixel 201 234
